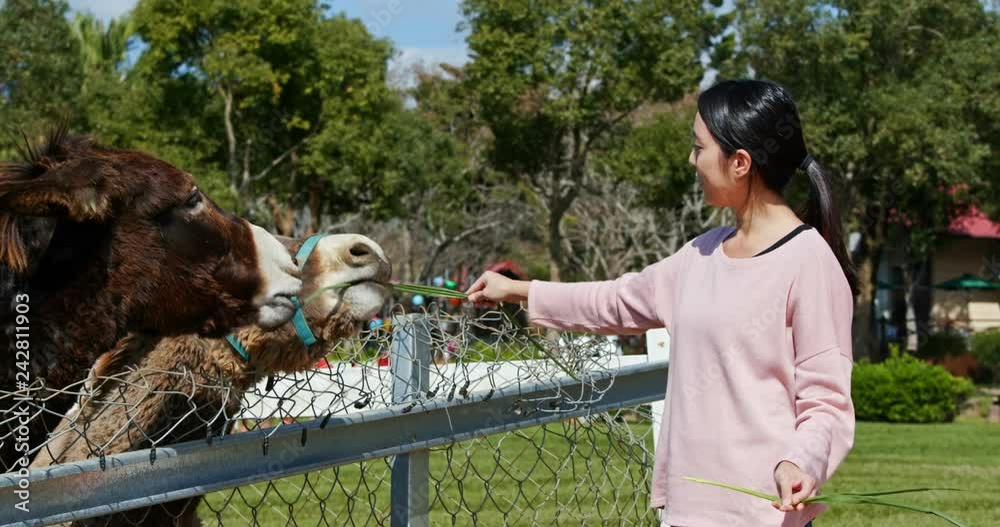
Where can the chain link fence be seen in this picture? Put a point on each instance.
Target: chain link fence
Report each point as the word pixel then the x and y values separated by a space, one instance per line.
pixel 463 418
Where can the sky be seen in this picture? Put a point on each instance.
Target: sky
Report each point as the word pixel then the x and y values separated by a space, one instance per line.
pixel 423 31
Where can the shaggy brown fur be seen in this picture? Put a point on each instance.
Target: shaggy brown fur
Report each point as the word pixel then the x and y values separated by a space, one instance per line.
pixel 96 242
pixel 163 391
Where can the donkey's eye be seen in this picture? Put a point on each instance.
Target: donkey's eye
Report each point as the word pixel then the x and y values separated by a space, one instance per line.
pixel 193 200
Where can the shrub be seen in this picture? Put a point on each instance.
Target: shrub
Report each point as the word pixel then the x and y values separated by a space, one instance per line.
pixel 986 350
pixel 905 389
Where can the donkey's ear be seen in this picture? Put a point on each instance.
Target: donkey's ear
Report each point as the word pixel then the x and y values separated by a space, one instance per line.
pixel 291 244
pixel 76 188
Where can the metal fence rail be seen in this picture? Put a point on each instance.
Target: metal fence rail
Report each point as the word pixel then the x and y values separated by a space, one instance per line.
pixel 405 430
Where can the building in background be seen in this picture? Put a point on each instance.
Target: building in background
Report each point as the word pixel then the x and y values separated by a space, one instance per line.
pixel 955 290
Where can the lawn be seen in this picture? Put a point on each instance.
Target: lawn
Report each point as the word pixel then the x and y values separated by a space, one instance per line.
pixel 885 456
pixel 531 489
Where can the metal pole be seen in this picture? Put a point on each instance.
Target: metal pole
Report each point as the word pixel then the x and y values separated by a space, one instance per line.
pixel 411 359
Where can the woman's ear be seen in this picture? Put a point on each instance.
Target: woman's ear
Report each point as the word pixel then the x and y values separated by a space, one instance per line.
pixel 740 164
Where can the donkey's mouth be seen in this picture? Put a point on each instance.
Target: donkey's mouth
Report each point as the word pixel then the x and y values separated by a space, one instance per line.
pixel 364 298
pixel 276 311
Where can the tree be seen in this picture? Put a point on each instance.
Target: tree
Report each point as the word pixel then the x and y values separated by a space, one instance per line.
pixel 102 49
pixel 614 233
pixel 653 157
pixel 40 73
pixel 909 142
pixel 106 100
pixel 458 212
pixel 642 202
pixel 557 81
pixel 292 99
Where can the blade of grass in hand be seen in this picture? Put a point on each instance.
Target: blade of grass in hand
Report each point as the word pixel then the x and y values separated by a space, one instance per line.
pixel 427 290
pixel 412 289
pixel 733 487
pixel 898 491
pixel 869 498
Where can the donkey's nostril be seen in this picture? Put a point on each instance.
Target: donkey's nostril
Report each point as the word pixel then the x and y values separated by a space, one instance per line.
pixel 360 249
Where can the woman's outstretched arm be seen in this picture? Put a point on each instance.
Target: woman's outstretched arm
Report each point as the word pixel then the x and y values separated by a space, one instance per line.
pixel 632 303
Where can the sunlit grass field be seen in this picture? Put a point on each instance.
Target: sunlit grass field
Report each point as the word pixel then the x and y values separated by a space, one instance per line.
pixel 965 455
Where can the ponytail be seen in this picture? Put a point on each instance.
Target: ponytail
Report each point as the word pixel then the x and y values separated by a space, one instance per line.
pixel 821 212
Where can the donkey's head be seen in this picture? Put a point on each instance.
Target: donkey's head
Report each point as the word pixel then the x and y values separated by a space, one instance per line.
pixel 137 234
pixel 342 259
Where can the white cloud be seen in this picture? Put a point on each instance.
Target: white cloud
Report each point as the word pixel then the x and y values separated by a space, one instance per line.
pixel 103 9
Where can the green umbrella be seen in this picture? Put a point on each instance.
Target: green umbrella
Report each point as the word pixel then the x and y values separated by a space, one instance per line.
pixel 967 281
pixel 882 284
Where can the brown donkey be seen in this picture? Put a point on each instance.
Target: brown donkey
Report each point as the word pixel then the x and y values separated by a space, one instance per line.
pixel 96 242
pixel 162 391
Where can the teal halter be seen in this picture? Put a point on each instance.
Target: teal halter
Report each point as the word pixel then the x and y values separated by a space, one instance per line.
pixel 299 318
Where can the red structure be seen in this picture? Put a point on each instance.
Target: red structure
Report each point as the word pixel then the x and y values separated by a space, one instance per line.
pixel 507 268
pixel 974 224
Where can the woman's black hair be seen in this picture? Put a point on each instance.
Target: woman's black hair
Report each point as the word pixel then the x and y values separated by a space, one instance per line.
pixel 761 118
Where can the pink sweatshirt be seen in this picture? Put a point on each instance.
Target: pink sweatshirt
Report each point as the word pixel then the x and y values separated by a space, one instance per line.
pixel 760 368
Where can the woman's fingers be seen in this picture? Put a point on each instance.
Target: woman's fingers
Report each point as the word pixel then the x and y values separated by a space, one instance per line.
pixel 480 292
pixel 493 288
pixel 480 283
pixel 808 488
pixel 786 488
pixel 794 486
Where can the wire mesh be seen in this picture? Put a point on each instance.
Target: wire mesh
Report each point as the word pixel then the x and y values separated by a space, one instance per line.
pixel 583 470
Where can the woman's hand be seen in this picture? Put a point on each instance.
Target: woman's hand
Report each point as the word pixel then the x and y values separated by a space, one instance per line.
pixel 494 287
pixel 793 487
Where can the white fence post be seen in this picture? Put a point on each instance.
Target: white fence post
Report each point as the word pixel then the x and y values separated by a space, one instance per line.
pixel 410 366
pixel 657 349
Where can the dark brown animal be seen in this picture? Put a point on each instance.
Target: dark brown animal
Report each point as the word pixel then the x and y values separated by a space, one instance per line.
pixel 148 392
pixel 96 242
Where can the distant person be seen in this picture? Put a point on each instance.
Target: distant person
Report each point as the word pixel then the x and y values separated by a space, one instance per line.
pixel 759 389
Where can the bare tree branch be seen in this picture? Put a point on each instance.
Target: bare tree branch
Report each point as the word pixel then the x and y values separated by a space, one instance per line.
pixel 280 159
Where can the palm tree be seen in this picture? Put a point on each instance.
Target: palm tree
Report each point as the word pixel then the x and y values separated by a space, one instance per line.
pixel 102 49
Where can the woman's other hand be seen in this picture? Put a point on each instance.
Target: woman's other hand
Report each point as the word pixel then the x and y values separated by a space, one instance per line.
pixel 491 288
pixel 793 487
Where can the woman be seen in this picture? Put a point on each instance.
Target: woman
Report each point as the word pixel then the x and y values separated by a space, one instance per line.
pixel 759 391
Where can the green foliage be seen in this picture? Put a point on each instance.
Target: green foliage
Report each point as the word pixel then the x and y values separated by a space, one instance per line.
pixel 898 102
pixel 399 161
pixel 545 69
pixel 40 73
pixel 102 49
pixel 986 349
pixel 558 81
pixel 943 344
pixel 654 157
pixel 984 406
pixel 898 98
pixel 905 389
pixel 295 106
